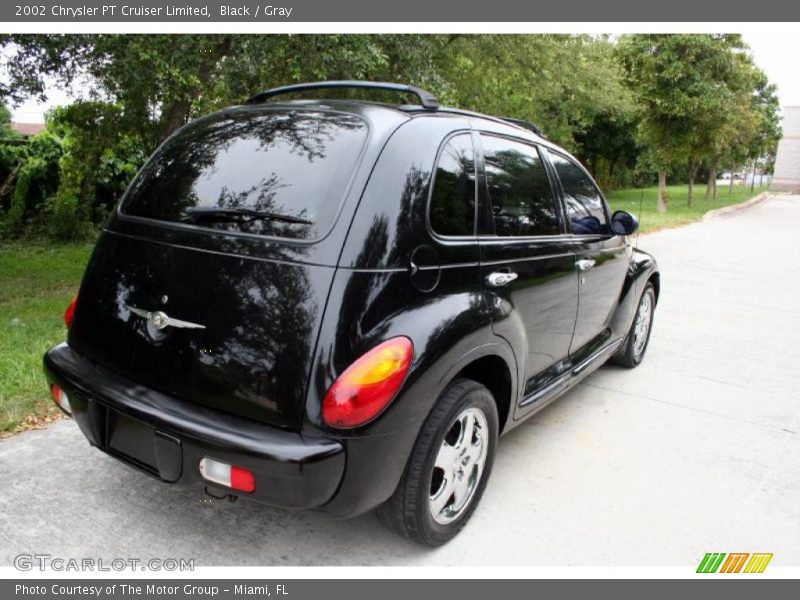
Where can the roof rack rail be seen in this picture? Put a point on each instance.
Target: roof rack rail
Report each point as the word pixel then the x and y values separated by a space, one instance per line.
pixel 524 124
pixel 426 99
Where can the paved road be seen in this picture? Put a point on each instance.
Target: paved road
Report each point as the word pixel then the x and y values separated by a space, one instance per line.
pixel 696 450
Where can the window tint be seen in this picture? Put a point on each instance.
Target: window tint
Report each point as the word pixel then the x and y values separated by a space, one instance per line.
pixel 582 198
pixel 519 190
pixel 453 196
pixel 292 164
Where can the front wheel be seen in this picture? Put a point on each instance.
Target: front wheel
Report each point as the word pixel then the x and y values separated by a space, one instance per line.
pixel 633 348
pixel 448 468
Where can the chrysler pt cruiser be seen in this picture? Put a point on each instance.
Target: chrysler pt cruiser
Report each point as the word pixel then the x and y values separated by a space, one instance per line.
pixel 340 304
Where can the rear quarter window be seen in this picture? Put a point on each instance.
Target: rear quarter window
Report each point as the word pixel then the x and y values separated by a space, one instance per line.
pixel 452 209
pixel 291 167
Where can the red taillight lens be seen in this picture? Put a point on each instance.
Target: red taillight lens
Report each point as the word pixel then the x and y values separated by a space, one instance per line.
pixel 70 312
pixel 368 385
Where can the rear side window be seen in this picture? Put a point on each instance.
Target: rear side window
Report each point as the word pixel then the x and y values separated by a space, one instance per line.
pixel 583 201
pixel 271 173
pixel 521 198
pixel 453 195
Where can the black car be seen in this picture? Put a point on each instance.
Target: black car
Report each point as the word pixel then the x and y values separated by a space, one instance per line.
pixel 340 304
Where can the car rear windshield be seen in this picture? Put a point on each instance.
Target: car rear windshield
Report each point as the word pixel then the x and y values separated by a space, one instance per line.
pixel 270 173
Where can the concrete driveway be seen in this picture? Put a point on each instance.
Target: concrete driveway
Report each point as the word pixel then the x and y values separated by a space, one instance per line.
pixel 697 450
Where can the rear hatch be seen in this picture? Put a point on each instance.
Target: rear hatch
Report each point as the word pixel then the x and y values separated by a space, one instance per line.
pixel 200 287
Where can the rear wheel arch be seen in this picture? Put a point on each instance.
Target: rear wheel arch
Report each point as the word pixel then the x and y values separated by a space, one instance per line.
pixel 493 372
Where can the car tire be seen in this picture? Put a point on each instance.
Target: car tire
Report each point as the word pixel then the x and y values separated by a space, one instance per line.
pixel 443 462
pixel 633 349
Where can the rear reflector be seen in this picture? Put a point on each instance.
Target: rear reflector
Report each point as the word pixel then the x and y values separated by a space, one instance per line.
pixel 61 399
pixel 231 476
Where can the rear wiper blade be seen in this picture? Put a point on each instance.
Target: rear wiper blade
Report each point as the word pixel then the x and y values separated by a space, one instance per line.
pixel 209 213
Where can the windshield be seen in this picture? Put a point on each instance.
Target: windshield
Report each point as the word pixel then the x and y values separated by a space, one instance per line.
pixel 294 164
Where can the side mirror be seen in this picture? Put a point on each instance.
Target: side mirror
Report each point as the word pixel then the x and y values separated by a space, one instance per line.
pixel 623 223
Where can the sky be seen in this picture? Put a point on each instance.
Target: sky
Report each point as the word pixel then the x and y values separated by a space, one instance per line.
pixel 776 54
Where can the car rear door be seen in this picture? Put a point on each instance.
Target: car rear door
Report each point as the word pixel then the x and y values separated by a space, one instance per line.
pixel 526 264
pixel 600 256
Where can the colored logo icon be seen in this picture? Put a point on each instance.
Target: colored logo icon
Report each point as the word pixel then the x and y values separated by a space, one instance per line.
pixel 735 562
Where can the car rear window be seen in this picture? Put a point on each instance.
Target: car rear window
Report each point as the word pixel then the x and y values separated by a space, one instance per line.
pixel 270 173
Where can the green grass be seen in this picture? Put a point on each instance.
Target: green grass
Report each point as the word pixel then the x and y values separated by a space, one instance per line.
pixel 677 212
pixel 36 284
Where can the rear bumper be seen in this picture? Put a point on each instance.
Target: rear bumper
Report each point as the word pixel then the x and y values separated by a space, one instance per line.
pixel 166 437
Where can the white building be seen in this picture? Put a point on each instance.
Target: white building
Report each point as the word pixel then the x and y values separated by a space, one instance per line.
pixel 787 161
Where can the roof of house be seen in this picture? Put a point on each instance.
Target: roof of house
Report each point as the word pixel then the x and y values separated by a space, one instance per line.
pixel 27 128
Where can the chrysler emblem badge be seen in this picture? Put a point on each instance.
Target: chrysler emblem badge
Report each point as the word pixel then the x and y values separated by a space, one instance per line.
pixel 160 320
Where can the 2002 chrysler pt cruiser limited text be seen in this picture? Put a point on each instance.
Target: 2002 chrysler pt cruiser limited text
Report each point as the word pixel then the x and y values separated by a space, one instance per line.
pixel 340 304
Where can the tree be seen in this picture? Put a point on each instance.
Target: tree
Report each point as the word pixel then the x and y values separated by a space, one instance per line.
pixel 9 142
pixel 164 80
pixel 137 90
pixel 11 148
pixel 766 106
pixel 563 83
pixel 98 160
pixel 610 149
pixel 688 85
pixel 659 102
pixel 33 179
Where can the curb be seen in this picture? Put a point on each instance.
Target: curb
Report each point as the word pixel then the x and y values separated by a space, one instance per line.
pixel 719 212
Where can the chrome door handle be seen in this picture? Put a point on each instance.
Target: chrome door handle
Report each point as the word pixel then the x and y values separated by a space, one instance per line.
pixel 585 264
pixel 498 279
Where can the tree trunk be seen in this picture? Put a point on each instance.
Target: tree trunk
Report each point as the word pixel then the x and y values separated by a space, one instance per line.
pixel 730 185
pixel 175 115
pixel 711 184
pixel 692 173
pixel 662 192
pixel 753 181
pixel 8 186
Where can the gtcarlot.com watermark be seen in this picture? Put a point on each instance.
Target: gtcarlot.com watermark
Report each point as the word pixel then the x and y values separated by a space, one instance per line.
pixel 45 562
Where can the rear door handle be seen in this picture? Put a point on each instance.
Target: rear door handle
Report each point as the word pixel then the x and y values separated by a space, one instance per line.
pixel 585 264
pixel 498 278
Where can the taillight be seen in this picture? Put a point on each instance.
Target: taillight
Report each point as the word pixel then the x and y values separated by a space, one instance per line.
pixel 237 478
pixel 368 385
pixel 70 312
pixel 61 399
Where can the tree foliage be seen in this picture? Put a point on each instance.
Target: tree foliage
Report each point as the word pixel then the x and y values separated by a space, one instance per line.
pixel 696 94
pixel 641 103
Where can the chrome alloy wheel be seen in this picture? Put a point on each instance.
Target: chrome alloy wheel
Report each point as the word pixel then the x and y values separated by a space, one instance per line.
pixel 459 466
pixel 641 328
